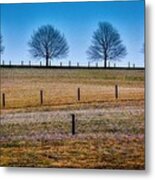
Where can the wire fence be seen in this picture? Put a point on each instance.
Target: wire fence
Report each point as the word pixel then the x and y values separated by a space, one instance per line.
pixel 128 65
pixel 47 97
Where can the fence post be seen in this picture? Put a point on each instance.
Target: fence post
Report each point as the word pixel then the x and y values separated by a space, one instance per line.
pixel 114 64
pixel 88 64
pixel 22 63
pixel 10 63
pixel 69 63
pixel 41 97
pixel 77 64
pixel 78 93
pixel 128 64
pixel 40 63
pixel 29 63
pixel 116 91
pixel 109 64
pixel 3 63
pixel 96 64
pixel 3 100
pixel 133 65
pixel 73 124
pixel 60 63
pixel 49 63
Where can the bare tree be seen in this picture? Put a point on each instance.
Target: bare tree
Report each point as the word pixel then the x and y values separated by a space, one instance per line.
pixel 48 43
pixel 106 44
pixel 1 47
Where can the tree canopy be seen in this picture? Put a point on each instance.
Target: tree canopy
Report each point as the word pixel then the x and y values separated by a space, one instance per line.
pixel 48 43
pixel 106 44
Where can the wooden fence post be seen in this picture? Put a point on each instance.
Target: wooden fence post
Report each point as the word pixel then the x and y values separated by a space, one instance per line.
pixel 69 63
pixel 109 64
pixel 41 97
pixel 3 100
pixel 114 64
pixel 96 64
pixel 40 63
pixel 10 63
pixel 128 64
pixel 73 124
pixel 88 64
pixel 116 91
pixel 61 64
pixel 78 94
pixel 77 64
pixel 29 63
pixel 50 63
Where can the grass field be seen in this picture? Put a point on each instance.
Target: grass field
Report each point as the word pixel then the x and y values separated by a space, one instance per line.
pixel 109 132
pixel 22 86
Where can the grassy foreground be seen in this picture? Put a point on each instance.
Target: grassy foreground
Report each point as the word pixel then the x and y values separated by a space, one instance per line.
pixel 109 133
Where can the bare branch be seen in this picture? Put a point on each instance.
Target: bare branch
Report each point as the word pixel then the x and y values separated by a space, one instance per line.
pixel 106 44
pixel 47 42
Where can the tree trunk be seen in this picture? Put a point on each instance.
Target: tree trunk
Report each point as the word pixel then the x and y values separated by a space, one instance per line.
pixel 47 62
pixel 105 62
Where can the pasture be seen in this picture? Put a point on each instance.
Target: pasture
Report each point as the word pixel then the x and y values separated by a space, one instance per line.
pixel 109 131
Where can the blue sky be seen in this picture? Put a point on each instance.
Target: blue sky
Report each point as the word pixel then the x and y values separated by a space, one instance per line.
pixel 77 21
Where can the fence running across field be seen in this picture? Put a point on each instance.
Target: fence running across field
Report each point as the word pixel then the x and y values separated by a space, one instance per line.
pixel 46 97
pixel 59 123
pixel 69 65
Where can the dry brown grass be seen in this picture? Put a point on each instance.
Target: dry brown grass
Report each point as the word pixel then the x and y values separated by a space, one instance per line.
pixel 22 86
pixel 110 138
pixel 109 132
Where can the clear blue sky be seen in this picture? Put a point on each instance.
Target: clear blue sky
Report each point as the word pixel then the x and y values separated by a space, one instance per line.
pixel 77 21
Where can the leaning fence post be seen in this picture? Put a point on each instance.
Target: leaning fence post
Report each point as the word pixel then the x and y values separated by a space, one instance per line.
pixel 41 97
pixel 78 94
pixel 3 100
pixel 116 91
pixel 73 124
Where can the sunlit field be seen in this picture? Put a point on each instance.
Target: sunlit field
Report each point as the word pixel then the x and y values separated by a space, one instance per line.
pixel 109 132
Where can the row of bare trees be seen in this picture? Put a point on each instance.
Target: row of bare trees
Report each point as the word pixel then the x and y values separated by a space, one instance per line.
pixel 48 43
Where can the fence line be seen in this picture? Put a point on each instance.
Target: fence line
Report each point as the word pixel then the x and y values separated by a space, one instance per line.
pixel 96 65
pixel 77 98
